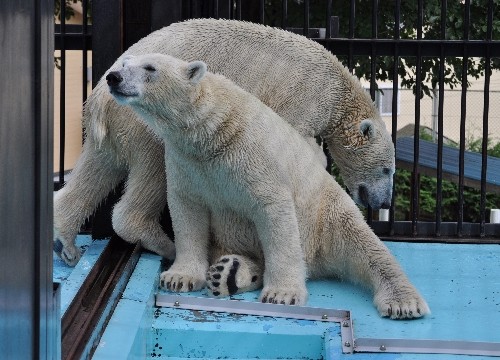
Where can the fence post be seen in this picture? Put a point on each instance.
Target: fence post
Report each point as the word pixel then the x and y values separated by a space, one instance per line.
pixel 27 327
pixel 107 35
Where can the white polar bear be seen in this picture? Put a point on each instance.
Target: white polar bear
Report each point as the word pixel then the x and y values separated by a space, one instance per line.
pixel 298 78
pixel 243 181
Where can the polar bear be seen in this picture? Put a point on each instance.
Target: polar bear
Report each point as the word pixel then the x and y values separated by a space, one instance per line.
pixel 298 78
pixel 242 181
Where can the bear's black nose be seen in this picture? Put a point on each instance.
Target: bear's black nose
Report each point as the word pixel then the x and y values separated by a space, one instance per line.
pixel 114 78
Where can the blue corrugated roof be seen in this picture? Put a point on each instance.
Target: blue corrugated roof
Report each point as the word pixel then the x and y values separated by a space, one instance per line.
pixel 428 159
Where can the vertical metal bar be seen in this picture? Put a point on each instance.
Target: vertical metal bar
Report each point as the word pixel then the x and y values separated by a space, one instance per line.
pixel 352 12
pixel 62 96
pixel 484 150
pixel 463 110
pixel 329 6
pixel 306 18
pixel 261 11
pixel 189 9
pixel 216 9
pixel 284 14
pixel 85 78
pixel 373 80
pixel 84 50
pixel 373 46
pixel 238 9
pixel 46 342
pixel 439 170
pixel 395 90
pixel 416 139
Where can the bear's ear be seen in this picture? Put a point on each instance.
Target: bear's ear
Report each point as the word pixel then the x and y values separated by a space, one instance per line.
pixel 196 70
pixel 366 128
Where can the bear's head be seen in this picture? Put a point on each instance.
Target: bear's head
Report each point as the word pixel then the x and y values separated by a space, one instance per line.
pixel 367 164
pixel 156 84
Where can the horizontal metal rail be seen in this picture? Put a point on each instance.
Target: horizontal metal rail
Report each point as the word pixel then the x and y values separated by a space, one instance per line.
pixel 385 47
pixel 74 36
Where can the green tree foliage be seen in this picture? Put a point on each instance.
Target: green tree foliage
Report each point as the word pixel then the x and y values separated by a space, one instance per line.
pixel 408 29
pixel 68 10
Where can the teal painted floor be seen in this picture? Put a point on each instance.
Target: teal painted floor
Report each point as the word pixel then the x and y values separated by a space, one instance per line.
pixel 460 282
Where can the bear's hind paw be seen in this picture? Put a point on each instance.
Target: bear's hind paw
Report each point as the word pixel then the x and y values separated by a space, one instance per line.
pixel 233 274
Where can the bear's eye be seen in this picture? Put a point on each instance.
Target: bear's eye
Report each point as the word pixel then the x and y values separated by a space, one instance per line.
pixel 149 68
pixel 386 171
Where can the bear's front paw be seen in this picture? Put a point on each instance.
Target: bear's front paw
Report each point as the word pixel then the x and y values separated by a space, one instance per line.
pixel 69 253
pixel 404 303
pixel 233 274
pixel 181 282
pixel 292 295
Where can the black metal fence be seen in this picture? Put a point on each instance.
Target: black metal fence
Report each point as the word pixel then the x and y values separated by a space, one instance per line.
pixel 423 46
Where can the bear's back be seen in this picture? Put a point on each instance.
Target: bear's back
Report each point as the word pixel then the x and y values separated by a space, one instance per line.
pixel 279 67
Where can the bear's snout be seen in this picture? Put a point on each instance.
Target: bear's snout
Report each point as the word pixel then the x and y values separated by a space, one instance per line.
pixel 114 78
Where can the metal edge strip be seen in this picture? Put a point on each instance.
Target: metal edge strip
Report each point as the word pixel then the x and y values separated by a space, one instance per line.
pixel 422 346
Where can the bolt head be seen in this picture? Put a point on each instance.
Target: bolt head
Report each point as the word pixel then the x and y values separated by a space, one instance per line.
pixel 177 303
pixel 324 317
pixel 345 323
pixel 347 344
pixel 383 348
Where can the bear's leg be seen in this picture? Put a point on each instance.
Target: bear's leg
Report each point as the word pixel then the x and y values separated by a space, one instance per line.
pixel 366 259
pixel 191 223
pixel 95 174
pixel 136 216
pixel 233 274
pixel 284 268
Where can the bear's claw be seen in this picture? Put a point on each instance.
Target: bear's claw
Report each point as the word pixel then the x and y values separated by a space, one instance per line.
pixel 292 295
pixel 179 282
pixel 406 305
pixel 70 254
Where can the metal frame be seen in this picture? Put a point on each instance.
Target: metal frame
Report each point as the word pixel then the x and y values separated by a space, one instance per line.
pixel 350 344
pixel 342 317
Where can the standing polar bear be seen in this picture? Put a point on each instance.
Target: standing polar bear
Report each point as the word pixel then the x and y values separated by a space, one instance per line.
pixel 296 77
pixel 242 181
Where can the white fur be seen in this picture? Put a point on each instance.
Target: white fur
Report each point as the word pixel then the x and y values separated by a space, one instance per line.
pixel 233 163
pixel 296 77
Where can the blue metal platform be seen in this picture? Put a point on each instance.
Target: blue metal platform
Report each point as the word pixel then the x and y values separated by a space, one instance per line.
pixel 71 278
pixel 460 282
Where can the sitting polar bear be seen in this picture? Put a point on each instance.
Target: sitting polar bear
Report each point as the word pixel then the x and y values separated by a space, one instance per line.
pixel 296 77
pixel 242 181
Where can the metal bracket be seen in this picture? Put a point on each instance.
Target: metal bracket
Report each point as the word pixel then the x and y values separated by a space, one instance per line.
pixel 342 317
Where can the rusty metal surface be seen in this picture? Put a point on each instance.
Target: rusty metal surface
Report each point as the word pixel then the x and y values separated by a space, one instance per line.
pixel 92 306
